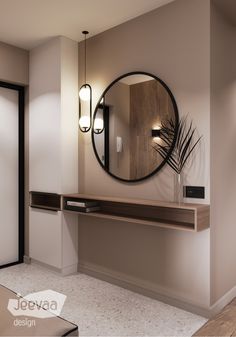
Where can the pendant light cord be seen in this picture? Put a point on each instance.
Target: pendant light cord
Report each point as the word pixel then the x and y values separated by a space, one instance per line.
pixel 85 32
pixel 85 56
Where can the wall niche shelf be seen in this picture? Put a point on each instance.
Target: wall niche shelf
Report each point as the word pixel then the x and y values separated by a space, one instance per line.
pixel 47 201
pixel 187 217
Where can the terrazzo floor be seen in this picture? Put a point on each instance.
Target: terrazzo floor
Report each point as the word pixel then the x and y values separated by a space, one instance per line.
pixel 102 309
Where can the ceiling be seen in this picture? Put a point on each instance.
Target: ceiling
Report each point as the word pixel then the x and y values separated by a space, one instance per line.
pixel 228 8
pixel 27 23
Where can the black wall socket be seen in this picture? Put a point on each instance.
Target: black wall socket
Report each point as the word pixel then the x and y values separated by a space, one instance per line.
pixel 197 192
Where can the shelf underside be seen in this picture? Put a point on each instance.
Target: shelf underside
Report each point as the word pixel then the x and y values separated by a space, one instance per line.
pixel 49 208
pixel 139 220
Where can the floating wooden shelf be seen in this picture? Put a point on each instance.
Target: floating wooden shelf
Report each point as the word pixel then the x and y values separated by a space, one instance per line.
pixel 188 217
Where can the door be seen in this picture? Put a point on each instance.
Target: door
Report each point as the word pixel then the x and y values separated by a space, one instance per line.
pixel 11 174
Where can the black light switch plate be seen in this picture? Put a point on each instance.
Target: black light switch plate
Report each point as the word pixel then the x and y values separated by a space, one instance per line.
pixel 197 192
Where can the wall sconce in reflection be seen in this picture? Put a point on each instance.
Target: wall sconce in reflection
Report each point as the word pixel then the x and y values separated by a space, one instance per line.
pixel 98 122
pixel 85 97
pixel 98 125
pixel 156 133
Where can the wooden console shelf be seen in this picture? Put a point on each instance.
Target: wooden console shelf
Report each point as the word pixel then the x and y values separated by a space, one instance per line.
pixel 188 217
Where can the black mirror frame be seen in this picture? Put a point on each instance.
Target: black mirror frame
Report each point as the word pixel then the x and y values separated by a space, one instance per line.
pixel 176 127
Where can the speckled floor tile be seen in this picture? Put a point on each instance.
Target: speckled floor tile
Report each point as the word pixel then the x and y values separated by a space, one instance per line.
pixel 103 309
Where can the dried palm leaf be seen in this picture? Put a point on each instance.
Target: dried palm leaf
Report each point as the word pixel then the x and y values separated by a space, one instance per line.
pixel 184 143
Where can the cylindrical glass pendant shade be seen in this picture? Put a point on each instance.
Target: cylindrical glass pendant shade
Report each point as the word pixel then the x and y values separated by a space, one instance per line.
pixel 85 93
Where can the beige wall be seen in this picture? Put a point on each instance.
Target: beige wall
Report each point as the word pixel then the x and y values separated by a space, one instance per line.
pixel 14 64
pixel 172 42
pixel 223 155
pixel 157 42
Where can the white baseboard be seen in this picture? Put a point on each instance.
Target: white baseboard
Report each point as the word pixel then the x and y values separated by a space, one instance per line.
pixel 223 301
pixel 27 259
pixel 143 288
pixel 68 270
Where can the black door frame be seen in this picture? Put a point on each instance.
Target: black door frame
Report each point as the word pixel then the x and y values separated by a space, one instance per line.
pixel 21 169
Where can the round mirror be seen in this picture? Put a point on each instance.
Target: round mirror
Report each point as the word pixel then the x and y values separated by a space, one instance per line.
pixel 127 123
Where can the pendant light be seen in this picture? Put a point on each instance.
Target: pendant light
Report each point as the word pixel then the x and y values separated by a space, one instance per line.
pixel 85 96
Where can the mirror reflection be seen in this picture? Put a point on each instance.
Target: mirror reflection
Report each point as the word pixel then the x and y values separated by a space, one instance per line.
pixel 127 122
